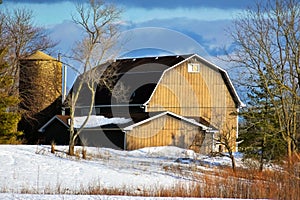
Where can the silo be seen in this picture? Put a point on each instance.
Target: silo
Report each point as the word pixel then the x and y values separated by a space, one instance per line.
pixel 40 89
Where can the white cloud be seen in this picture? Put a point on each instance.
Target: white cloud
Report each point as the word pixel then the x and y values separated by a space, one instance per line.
pixel 159 38
pixel 183 32
pixel 66 33
pixel 139 15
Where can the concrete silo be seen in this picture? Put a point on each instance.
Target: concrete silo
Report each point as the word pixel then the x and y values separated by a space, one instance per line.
pixel 40 89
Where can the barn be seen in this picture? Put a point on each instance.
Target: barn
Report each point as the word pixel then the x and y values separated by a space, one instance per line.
pixel 179 100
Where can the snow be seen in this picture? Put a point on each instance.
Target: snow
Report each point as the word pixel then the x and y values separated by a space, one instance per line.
pixel 91 197
pixel 33 169
pixel 98 120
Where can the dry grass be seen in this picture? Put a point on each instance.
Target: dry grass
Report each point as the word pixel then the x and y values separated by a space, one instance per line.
pixel 224 183
pixel 53 147
pixel 101 154
pixel 83 152
pixel 220 183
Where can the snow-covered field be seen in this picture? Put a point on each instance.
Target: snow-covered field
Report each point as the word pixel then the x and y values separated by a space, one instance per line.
pixel 34 170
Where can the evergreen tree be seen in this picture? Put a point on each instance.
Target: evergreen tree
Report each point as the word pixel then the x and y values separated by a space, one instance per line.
pixel 267 52
pixel 260 132
pixel 9 117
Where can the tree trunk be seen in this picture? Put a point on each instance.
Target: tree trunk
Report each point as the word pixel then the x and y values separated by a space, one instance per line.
pixel 289 149
pixel 71 141
pixel 71 147
pixel 261 165
pixel 263 142
pixel 232 161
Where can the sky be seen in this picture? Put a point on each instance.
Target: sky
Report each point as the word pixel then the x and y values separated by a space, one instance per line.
pixel 204 21
pixel 152 26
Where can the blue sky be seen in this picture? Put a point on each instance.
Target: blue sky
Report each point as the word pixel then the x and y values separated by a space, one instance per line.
pixel 204 21
pixel 153 26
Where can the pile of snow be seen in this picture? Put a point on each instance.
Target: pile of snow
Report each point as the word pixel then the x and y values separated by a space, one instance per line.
pixel 168 152
pixel 221 160
pixel 98 120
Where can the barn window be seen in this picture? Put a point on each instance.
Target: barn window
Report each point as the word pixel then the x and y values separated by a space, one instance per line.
pixel 193 67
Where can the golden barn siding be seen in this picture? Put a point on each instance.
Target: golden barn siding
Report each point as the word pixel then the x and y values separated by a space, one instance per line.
pixel 163 131
pixel 194 94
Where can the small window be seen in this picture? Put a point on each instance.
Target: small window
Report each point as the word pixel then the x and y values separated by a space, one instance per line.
pixel 193 67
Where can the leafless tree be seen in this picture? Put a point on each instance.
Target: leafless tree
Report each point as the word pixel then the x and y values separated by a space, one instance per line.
pixel 268 49
pixel 21 36
pixel 99 21
pixel 226 139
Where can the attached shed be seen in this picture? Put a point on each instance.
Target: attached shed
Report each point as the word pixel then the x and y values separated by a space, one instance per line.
pixel 168 129
pixel 55 130
pixel 149 129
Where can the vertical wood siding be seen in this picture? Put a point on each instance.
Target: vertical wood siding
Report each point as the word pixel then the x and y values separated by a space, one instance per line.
pixel 163 131
pixel 189 94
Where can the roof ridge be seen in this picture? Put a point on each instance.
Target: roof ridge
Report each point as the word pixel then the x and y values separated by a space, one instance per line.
pixel 130 127
pixel 157 56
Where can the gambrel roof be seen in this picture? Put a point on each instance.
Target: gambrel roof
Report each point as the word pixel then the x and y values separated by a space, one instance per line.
pixel 136 72
pixel 148 72
pixel 223 72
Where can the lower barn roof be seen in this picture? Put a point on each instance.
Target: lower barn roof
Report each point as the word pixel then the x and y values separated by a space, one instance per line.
pixel 127 123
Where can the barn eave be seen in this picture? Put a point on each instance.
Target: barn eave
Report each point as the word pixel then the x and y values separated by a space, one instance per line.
pixel 203 127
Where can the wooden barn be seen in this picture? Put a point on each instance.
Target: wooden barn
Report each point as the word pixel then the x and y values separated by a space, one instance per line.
pixel 184 101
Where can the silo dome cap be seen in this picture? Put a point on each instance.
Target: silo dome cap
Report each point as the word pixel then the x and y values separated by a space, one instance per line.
pixel 38 55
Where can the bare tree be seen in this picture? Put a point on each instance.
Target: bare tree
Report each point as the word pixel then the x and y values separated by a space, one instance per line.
pixel 99 23
pixel 226 139
pixel 267 48
pixel 22 36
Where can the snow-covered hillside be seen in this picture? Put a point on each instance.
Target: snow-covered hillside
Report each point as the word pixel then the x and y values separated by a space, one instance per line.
pixel 33 169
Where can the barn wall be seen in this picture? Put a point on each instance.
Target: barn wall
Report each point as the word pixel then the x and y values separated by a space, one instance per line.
pixel 98 137
pixel 194 94
pixel 56 132
pixel 164 131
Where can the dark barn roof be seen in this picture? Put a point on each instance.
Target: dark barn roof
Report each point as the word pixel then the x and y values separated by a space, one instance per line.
pixel 140 76
pixel 155 63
